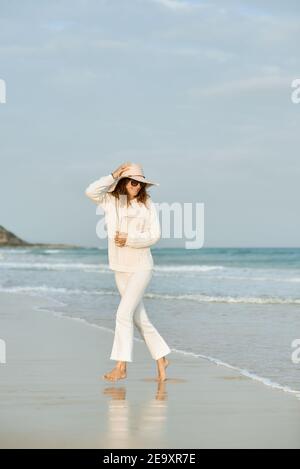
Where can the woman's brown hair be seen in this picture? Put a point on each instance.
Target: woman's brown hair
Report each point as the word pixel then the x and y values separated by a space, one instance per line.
pixel 120 189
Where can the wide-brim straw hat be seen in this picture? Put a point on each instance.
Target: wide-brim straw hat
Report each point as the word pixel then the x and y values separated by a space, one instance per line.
pixel 134 171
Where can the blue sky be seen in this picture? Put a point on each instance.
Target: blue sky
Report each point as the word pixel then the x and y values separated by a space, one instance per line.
pixel 197 92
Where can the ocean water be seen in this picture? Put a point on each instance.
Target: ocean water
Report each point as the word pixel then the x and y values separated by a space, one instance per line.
pixel 236 307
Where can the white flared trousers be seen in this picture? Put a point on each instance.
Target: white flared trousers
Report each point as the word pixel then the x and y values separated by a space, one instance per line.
pixel 131 311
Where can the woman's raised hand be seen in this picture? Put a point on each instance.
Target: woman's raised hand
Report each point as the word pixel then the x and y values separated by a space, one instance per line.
pixel 118 172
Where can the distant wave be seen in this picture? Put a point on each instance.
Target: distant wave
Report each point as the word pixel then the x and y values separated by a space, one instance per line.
pixel 15 251
pixel 155 296
pixel 187 268
pixel 46 289
pixel 257 279
pixel 66 266
pixel 54 266
pixel 104 267
pixel 224 299
pixel 228 273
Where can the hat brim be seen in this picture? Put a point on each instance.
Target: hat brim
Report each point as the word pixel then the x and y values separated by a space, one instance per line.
pixel 136 178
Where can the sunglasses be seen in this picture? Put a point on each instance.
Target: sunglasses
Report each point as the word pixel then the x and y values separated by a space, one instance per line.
pixel 134 183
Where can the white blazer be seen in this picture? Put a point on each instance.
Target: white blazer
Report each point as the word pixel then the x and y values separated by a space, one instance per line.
pixel 140 222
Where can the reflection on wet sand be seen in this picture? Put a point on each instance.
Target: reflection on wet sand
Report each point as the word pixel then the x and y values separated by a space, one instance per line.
pixel 131 425
pixel 118 416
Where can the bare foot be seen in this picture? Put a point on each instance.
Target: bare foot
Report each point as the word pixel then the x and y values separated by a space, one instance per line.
pixel 115 374
pixel 162 364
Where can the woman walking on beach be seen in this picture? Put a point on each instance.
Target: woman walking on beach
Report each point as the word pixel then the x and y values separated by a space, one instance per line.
pixel 132 226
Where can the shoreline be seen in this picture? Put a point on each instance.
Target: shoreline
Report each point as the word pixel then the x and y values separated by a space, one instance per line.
pixel 215 361
pixel 54 396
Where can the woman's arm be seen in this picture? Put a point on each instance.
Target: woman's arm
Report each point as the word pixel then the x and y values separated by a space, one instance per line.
pixel 97 190
pixel 150 237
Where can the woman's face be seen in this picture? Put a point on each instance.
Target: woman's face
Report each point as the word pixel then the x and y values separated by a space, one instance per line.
pixel 133 190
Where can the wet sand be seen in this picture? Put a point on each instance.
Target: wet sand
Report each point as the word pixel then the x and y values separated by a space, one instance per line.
pixel 53 395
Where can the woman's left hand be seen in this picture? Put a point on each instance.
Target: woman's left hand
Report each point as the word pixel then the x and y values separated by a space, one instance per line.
pixel 120 239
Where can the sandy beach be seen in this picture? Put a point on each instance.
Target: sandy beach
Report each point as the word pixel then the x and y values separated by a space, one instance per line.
pixel 53 396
